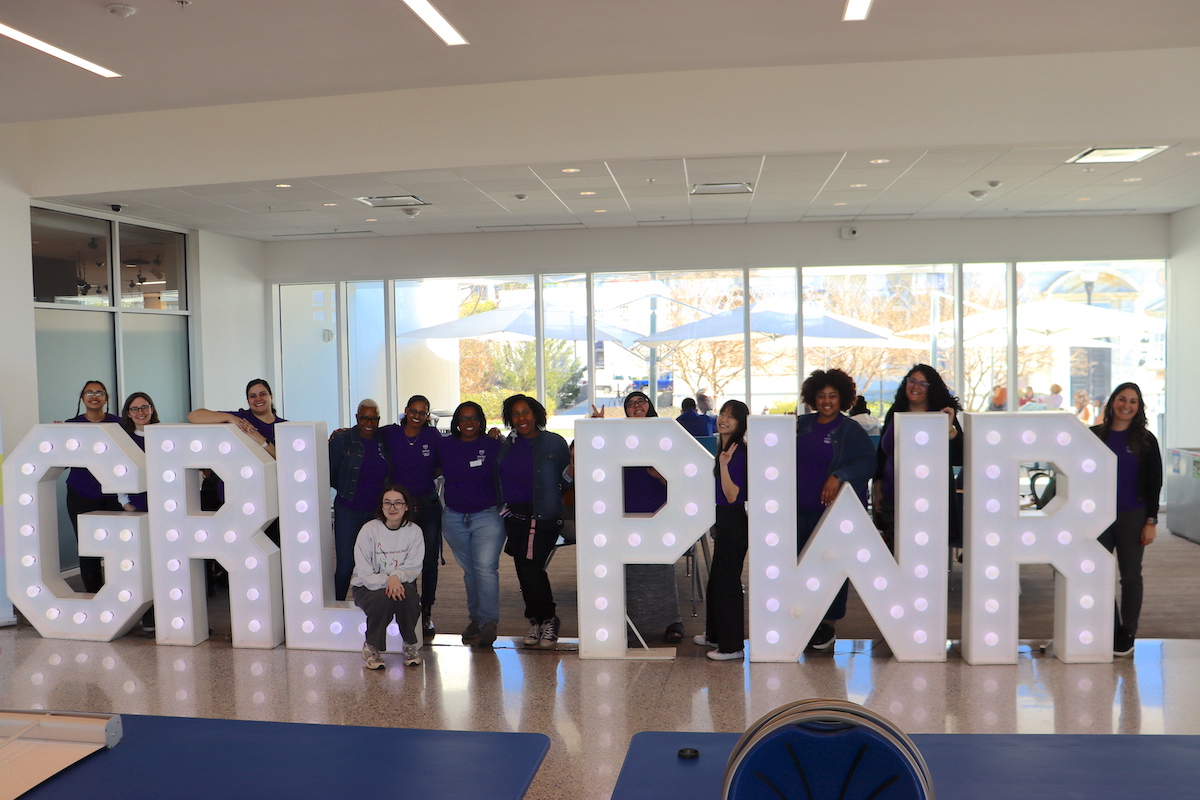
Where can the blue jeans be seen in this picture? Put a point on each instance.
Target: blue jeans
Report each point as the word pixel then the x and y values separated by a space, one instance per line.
pixel 476 541
pixel 347 522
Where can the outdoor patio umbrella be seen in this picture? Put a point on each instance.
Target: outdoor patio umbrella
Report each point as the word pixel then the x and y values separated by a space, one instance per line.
pixel 776 318
pixel 1048 322
pixel 516 323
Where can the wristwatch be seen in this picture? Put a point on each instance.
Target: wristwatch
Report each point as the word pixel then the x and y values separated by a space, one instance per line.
pixel 1151 520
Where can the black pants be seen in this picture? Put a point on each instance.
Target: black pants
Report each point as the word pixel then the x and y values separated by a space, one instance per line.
pixel 1124 537
pixel 725 609
pixel 529 542
pixel 428 516
pixel 806 523
pixel 90 567
pixel 381 609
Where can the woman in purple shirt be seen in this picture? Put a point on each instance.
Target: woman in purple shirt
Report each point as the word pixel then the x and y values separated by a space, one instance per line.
pixel 725 625
pixel 471 522
pixel 83 490
pixel 1139 480
pixel 136 414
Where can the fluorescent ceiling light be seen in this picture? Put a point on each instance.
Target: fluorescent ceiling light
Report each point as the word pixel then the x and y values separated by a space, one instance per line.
pixel 436 22
pixel 1115 155
pixel 49 49
pixel 856 10
pixel 722 188
pixel 396 201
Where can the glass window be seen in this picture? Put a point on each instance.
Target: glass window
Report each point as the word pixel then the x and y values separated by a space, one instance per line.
pixel 70 259
pixel 366 344
pixel 465 339
pixel 565 353
pixel 774 359
pixel 155 358
pixel 985 338
pixel 152 268
pixel 309 343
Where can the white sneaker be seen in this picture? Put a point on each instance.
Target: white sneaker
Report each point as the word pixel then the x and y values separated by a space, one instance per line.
pixel 411 657
pixel 535 634
pixel 549 633
pixel 703 640
pixel 717 655
pixel 372 657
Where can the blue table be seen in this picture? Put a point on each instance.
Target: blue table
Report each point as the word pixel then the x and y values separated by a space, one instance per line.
pixel 963 766
pixel 180 757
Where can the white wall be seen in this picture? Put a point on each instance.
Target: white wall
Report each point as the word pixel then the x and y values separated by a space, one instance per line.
pixel 1183 331
pixel 18 356
pixel 231 320
pixel 691 247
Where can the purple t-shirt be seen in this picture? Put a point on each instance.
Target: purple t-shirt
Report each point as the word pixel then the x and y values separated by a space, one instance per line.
pixel 470 472
pixel 737 472
pixel 1127 471
pixel 516 479
pixel 888 445
pixel 372 473
pixel 814 457
pixel 79 479
pixel 413 460
pixel 644 493
pixel 267 429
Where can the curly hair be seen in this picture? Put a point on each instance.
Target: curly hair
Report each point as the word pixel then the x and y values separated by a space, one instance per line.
pixel 836 379
pixel 539 410
pixel 937 395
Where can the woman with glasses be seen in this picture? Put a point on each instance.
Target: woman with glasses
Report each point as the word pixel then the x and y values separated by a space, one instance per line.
pixel 532 467
pixel 921 390
pixel 136 414
pixel 1139 480
pixel 471 520
pixel 414 447
pixel 83 490
pixel 387 561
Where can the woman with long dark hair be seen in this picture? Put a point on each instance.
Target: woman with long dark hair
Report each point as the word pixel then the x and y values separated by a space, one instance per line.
pixel 83 490
pixel 471 522
pixel 387 561
pixel 725 626
pixel 533 466
pixel 1139 480
pixel 831 449
pixel 921 390
pixel 136 414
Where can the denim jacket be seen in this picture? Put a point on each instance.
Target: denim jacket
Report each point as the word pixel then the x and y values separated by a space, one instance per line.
pixel 345 460
pixel 853 454
pixel 551 457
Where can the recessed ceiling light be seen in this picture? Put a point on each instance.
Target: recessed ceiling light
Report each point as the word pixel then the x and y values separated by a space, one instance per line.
pixel 437 23
pixel 570 169
pixel 1193 153
pixel 587 194
pixel 1115 155
pixel 856 10
pixel 1082 199
pixel 51 50
pixel 370 220
pixel 880 160
pixel 858 186
pixel 722 188
pixel 283 186
pixel 1130 180
pixel 329 205
pixel 601 210
pixel 839 204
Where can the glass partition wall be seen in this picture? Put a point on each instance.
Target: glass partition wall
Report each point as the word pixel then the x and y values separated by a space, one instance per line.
pixel 999 334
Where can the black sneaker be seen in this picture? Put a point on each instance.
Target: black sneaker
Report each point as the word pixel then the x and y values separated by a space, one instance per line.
pixel 427 629
pixel 1122 644
pixel 470 636
pixel 487 634
pixel 824 638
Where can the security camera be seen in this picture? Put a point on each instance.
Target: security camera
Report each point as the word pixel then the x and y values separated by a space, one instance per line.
pixel 521 196
pixel 411 212
pixel 116 207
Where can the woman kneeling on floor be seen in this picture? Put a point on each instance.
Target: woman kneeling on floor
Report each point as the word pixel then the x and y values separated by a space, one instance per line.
pixel 387 560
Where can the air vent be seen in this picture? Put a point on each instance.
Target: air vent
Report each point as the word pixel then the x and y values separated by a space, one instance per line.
pixel 396 201
pixel 1115 155
pixel 324 233
pixel 722 188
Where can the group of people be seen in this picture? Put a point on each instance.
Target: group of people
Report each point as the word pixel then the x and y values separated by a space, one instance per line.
pixel 506 494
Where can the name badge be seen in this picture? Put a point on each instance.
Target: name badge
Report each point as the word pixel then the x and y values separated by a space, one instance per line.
pixel 477 462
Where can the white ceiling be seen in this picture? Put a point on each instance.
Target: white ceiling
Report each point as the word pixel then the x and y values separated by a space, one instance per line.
pixel 206 52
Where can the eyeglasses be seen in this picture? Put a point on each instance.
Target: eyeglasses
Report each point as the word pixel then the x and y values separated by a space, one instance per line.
pixel 139 409
pixel 637 401
pixel 95 394
pixel 362 418
pixel 394 504
pixel 917 383
pixel 416 413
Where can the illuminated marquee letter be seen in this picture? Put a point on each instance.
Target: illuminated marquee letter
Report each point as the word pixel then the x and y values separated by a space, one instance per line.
pixel 999 537
pixel 31 532
pixel 608 540
pixel 905 595
pixel 184 535
pixel 315 620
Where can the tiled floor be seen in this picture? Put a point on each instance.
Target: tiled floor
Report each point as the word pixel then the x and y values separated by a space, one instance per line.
pixel 590 709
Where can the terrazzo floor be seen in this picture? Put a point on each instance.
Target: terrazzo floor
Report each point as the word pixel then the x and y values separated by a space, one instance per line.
pixel 590 709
